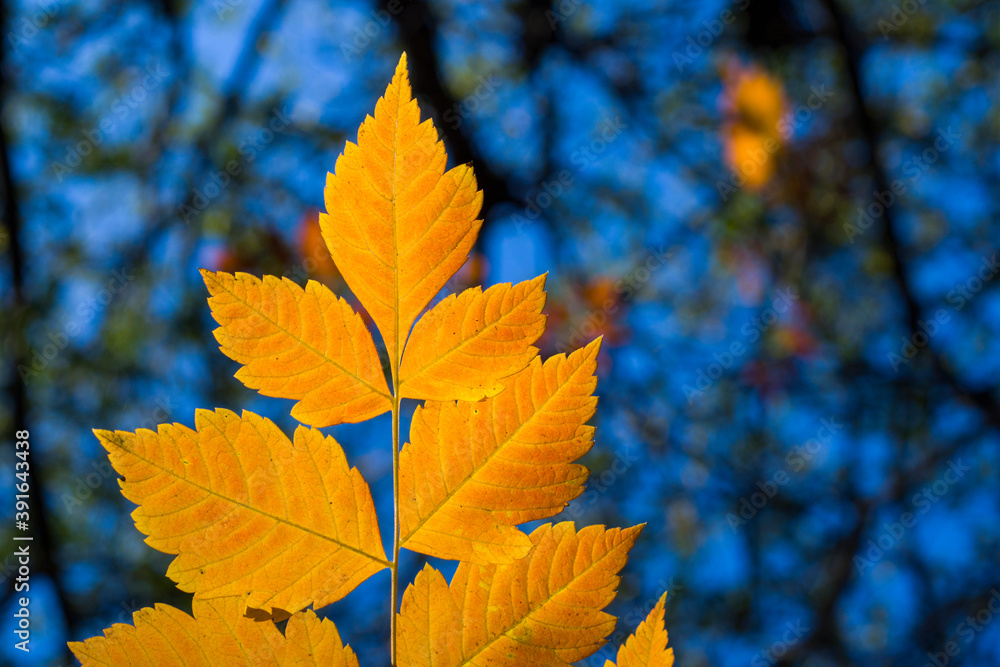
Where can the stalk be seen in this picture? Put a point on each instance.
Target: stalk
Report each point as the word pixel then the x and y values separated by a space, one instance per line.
pixel 395 512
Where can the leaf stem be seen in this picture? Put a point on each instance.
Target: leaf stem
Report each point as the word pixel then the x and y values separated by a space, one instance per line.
pixel 395 514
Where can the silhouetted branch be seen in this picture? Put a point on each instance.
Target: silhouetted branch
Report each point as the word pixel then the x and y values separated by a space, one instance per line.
pixel 44 544
pixel 853 50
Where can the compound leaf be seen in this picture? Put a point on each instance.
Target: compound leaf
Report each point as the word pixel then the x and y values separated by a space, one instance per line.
pixel 307 345
pixel 248 513
pixel 263 526
pixel 473 471
pixel 544 609
pixel 218 635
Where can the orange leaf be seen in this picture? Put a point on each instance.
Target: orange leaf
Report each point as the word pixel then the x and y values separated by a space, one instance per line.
pixel 397 224
pixel 249 513
pixel 544 609
pixel 218 634
pixel 473 471
pixel 648 646
pixel 306 344
pixel 464 346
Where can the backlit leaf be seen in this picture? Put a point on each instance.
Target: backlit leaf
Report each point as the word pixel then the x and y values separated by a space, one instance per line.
pixel 263 527
pixel 544 609
pixel 648 646
pixel 306 344
pixel 474 471
pixel 219 635
pixel 397 224
pixel 248 513
pixel 464 346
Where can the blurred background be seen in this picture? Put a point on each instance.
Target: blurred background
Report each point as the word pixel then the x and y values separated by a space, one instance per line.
pixel 778 214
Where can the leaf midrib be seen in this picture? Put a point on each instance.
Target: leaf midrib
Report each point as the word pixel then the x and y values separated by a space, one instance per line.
pixel 300 340
pixel 449 495
pixel 252 508
pixel 443 356
pixel 546 601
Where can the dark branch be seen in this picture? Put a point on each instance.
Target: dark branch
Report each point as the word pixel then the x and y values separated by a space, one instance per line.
pixel 851 45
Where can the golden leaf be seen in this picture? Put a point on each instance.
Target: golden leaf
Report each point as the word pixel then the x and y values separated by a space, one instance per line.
pixel 648 646
pixel 247 512
pixel 544 609
pixel 464 346
pixel 306 344
pixel 755 133
pixel 397 224
pixel 263 528
pixel 473 471
pixel 218 636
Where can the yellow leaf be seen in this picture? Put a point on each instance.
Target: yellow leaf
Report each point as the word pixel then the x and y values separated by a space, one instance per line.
pixel 263 527
pixel 754 135
pixel 218 636
pixel 473 471
pixel 544 609
pixel 248 513
pixel 306 344
pixel 397 224
pixel 464 346
pixel 648 646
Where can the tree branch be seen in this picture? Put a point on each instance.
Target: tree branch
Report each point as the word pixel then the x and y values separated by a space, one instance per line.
pixel 850 44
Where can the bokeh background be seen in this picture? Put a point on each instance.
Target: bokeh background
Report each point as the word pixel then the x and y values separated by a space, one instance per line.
pixel 780 215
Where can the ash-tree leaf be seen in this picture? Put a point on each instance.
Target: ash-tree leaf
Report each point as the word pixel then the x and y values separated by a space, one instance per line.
pixel 473 471
pixel 249 513
pixel 397 223
pixel 468 343
pixel 219 635
pixel 647 647
pixel 305 344
pixel 545 609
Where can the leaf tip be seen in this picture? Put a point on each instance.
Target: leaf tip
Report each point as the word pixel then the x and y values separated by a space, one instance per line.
pixel 402 73
pixel 211 280
pixel 633 532
pixel 594 346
